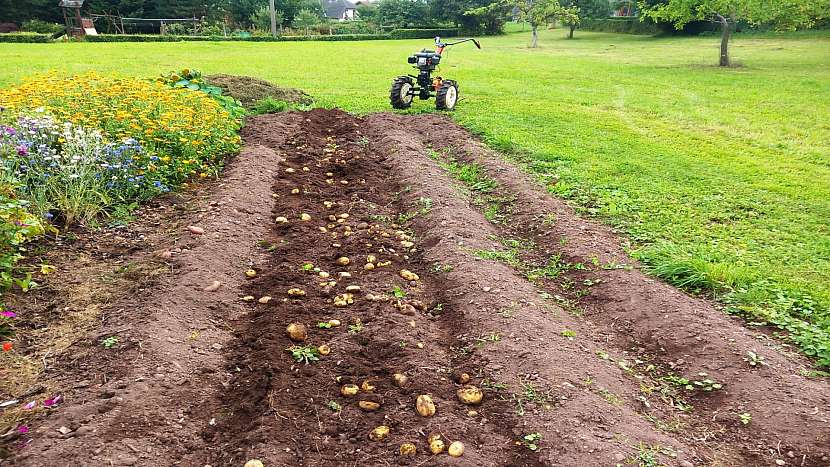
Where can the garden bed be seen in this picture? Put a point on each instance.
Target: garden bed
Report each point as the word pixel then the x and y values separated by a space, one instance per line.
pixel 580 357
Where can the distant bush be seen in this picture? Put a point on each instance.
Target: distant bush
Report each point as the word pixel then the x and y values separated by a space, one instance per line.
pixel 422 33
pixel 625 25
pixel 41 27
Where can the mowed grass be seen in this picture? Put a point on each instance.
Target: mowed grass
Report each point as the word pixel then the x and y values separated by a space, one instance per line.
pixel 719 177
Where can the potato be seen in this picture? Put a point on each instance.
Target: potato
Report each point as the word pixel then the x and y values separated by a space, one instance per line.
pixel 425 406
pixel 462 378
pixel 281 220
pixel 367 386
pixel 353 288
pixel 407 244
pixel 324 349
pixel 371 259
pixel 305 217
pixel 379 433
pixel 297 332
pixel 248 298
pixel 254 463
pixel 250 273
pixel 324 274
pixel 408 275
pixel 400 379
pixel 289 170
pixel 408 449
pixel 343 261
pixel 432 437
pixel 368 406
pixel 334 323
pixel 296 292
pixel 369 266
pixel 436 446
pixel 349 390
pixel 264 299
pixel 383 263
pixel 295 191
pixel 342 300
pixel 456 449
pixel 470 395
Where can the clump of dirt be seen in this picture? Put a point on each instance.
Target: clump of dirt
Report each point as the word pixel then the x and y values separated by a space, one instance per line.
pixel 249 90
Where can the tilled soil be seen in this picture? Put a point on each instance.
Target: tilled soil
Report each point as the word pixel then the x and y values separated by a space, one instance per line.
pixel 582 359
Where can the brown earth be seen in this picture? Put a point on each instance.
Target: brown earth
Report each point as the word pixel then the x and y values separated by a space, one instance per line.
pixel 543 309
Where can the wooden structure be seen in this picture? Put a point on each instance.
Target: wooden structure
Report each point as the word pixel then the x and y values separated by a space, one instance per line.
pixel 76 25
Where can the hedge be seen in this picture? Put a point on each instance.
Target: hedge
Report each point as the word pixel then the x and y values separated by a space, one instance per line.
pixel 393 34
pixel 422 33
pixel 29 37
pixel 626 25
pixel 170 38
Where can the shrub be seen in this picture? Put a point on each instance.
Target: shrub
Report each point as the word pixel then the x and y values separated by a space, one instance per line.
pixel 42 27
pixel 422 33
pixel 626 25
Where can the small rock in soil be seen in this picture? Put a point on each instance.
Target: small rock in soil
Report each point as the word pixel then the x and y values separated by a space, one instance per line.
pixel 213 287
pixel 195 230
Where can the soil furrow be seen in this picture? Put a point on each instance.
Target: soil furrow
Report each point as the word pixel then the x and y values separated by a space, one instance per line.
pixel 153 412
pixel 662 326
pixel 292 413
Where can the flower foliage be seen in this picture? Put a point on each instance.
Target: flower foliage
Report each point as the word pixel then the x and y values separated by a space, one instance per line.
pixel 187 130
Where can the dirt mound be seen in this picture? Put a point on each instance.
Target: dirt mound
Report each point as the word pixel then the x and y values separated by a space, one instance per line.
pixel 249 90
pixel 581 359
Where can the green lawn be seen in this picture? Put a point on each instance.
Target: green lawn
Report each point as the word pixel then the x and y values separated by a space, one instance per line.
pixel 721 177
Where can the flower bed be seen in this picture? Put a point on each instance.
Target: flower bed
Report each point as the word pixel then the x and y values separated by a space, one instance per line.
pixel 75 148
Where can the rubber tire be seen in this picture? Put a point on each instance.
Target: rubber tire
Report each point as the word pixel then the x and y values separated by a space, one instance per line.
pixel 447 96
pixel 396 98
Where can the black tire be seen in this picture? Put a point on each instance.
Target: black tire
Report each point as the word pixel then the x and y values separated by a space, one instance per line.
pixel 447 95
pixel 401 94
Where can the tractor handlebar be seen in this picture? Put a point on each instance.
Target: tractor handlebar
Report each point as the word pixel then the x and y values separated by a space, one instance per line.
pixel 440 45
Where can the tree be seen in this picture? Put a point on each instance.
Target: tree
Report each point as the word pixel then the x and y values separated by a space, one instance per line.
pixel 403 13
pixel 305 19
pixel 782 14
pixel 457 12
pixel 535 12
pixel 584 9
pixel 261 19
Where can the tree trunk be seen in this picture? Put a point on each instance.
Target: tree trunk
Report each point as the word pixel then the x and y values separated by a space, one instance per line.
pixel 724 41
pixel 534 36
pixel 571 34
pixel 273 11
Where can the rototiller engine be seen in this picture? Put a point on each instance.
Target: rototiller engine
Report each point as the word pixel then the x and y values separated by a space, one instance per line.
pixel 445 91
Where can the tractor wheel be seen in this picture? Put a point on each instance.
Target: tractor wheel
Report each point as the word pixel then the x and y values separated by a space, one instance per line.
pixel 447 95
pixel 401 94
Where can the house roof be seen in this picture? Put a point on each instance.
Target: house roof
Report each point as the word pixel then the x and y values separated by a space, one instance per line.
pixel 337 8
